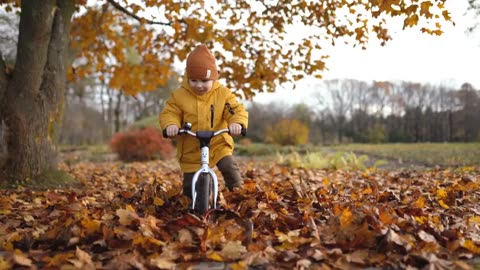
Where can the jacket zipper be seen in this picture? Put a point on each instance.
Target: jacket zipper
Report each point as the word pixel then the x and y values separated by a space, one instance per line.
pixel 211 115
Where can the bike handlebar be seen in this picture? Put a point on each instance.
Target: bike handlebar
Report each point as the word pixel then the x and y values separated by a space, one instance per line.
pixel 195 134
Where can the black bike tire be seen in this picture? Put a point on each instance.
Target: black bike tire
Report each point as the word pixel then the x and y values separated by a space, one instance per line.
pixel 202 202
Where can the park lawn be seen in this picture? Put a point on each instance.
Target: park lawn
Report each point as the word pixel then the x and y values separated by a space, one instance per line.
pixel 442 154
pixel 356 156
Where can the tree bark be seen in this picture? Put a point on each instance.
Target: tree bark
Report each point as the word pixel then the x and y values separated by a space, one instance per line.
pixel 3 79
pixel 117 112
pixel 33 101
pixel 3 127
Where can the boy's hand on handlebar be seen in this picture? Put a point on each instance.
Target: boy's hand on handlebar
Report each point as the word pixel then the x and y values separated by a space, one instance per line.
pixel 172 131
pixel 235 129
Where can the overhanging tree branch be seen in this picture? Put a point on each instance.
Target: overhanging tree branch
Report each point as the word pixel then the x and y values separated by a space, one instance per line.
pixel 138 18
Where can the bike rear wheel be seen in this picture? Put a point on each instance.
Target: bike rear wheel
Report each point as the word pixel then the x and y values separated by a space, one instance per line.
pixel 204 185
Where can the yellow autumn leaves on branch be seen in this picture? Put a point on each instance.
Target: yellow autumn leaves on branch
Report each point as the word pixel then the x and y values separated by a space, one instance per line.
pixel 134 47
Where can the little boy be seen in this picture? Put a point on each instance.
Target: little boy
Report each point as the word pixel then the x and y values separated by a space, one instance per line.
pixel 207 105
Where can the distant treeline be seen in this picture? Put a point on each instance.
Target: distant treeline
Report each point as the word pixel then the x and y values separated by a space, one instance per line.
pixel 380 112
pixel 339 111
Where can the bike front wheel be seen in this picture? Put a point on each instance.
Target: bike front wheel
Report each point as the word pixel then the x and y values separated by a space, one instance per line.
pixel 203 188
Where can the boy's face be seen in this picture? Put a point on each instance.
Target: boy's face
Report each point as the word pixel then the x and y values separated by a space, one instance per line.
pixel 201 87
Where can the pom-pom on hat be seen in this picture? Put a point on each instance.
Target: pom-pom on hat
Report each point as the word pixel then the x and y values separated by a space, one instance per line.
pixel 201 64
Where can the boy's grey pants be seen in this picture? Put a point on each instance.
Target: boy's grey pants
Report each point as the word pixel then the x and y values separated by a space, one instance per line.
pixel 230 172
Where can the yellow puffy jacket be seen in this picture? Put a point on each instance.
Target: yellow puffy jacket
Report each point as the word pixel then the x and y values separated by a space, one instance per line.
pixel 214 110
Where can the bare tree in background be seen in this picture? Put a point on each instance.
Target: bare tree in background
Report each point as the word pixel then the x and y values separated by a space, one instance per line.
pixel 474 6
pixel 147 104
pixel 362 104
pixel 108 110
pixel 340 97
pixel 396 112
pixel 469 117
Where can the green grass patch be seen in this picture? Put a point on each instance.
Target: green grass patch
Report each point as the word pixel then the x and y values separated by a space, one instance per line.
pixel 442 154
pixel 99 149
pixel 71 154
pixel 328 160
pixel 308 156
pixel 262 149
pixel 151 121
pixel 92 148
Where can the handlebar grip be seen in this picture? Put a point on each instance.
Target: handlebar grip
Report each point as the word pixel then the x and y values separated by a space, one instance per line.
pixel 243 132
pixel 164 133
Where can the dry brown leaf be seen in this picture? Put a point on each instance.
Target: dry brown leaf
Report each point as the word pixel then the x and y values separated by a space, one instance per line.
pixel 127 215
pixel 162 263
pixel 233 250
pixel 426 236
pixel 22 259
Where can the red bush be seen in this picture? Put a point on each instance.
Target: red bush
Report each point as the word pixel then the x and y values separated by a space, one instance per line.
pixel 141 145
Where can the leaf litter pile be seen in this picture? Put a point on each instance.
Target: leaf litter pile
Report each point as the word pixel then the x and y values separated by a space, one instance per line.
pixel 132 216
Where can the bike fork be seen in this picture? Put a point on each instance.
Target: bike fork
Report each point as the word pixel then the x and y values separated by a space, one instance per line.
pixel 207 170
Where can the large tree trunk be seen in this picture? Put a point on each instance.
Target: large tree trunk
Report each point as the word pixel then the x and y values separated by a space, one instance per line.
pixel 3 127
pixel 32 104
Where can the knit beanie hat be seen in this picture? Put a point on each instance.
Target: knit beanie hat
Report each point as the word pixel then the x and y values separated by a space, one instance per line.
pixel 201 64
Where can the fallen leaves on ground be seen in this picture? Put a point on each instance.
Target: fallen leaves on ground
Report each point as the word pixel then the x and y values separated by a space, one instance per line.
pixel 132 216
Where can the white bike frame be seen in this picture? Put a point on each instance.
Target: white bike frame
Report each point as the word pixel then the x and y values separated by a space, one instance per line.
pixel 205 169
pixel 204 138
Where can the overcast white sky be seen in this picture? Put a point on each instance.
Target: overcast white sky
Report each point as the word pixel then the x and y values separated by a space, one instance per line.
pixel 450 59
